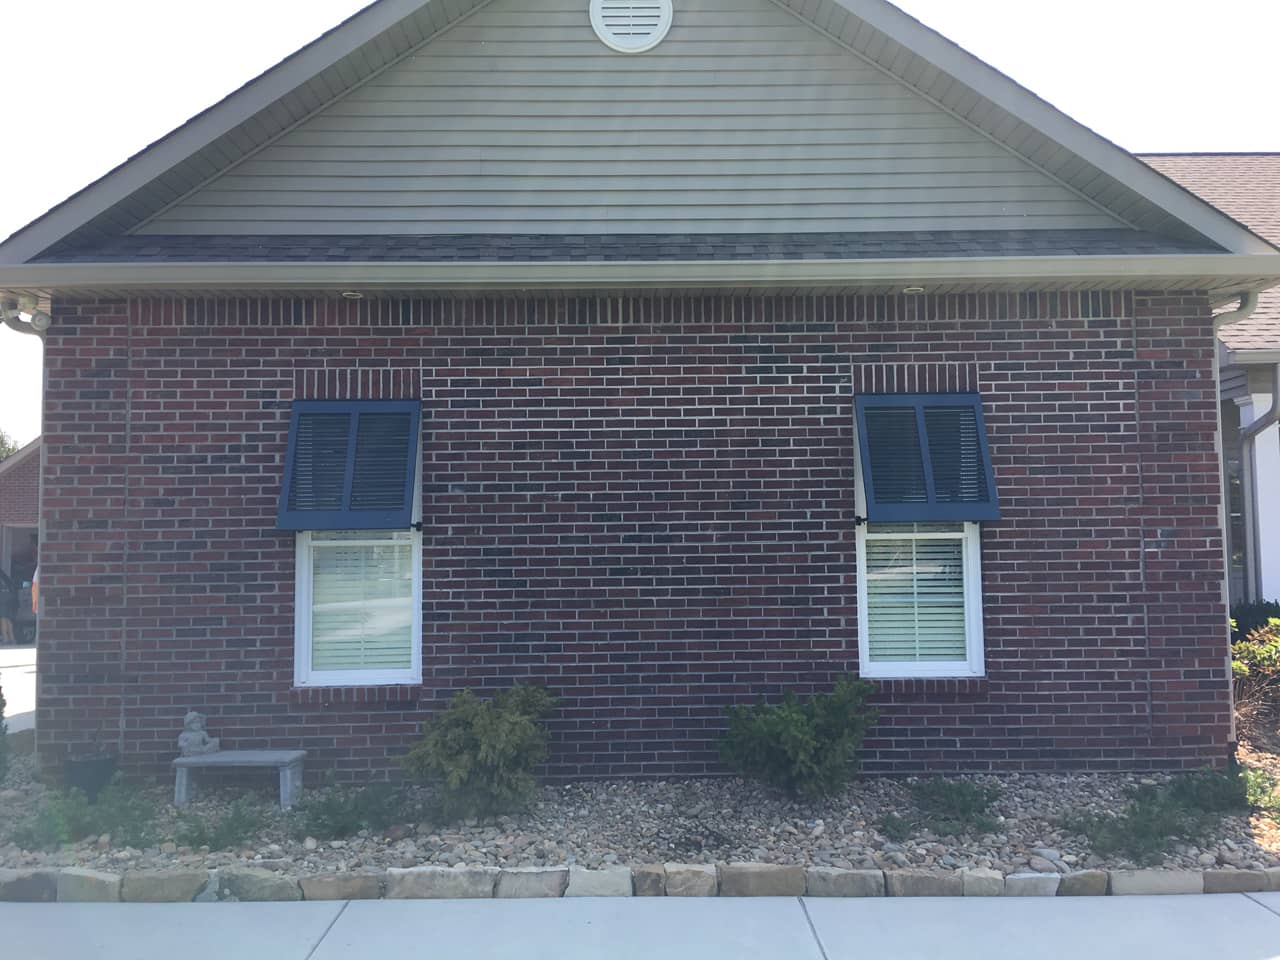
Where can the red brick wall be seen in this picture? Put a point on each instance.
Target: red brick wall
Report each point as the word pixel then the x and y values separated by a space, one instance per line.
pixel 20 488
pixel 646 505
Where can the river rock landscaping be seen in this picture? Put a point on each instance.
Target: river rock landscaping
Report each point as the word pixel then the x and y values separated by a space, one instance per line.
pixel 1012 834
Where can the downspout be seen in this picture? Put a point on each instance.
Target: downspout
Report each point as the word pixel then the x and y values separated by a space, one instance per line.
pixel 1249 437
pixel 1248 304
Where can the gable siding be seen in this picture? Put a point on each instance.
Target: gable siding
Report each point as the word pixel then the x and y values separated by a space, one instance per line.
pixel 519 120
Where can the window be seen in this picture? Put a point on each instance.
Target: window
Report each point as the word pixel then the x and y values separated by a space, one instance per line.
pixel 351 492
pixel 924 482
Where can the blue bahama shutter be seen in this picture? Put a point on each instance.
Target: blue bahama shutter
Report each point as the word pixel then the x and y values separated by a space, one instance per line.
pixel 350 465
pixel 925 458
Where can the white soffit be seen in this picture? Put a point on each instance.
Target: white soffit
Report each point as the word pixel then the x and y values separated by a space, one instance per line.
pixel 387 30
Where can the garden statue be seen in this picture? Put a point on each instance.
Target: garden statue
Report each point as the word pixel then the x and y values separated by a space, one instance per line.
pixel 194 741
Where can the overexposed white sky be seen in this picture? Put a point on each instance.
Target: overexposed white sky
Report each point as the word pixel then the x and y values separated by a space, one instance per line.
pixel 88 83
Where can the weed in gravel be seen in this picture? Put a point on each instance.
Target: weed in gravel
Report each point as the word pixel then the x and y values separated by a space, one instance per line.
pixel 340 811
pixel 896 828
pixel 955 807
pixel 243 819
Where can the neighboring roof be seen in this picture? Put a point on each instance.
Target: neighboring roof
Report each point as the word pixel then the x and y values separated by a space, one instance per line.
pixel 1221 256
pixel 20 487
pixel 481 248
pixel 1247 187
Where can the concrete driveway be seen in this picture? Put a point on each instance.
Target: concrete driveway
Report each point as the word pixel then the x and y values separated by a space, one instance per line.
pixel 18 680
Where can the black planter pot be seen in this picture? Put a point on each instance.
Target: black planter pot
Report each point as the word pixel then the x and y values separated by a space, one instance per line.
pixel 90 774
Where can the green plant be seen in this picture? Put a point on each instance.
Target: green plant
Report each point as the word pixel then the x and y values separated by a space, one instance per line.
pixel 953 807
pixel 64 817
pixel 1255 671
pixel 1248 617
pixel 805 748
pixel 481 754
pixel 4 742
pixel 340 811
pixel 242 820
pixel 1262 791
pixel 895 827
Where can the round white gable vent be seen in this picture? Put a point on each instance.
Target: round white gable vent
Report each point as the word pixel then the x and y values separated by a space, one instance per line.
pixel 631 26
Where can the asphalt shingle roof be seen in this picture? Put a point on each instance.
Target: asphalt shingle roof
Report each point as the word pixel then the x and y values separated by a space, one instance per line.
pixel 1245 186
pixel 590 247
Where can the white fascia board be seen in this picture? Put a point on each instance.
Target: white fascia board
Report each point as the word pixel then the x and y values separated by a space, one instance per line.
pixel 1244 358
pixel 603 275
pixel 203 129
pixel 1111 159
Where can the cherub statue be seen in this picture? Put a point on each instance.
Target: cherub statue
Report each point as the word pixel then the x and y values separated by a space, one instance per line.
pixel 194 741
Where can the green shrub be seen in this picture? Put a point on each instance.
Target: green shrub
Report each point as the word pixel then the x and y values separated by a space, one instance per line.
pixel 340 811
pixel 805 748
pixel 243 819
pixel 895 827
pixel 4 742
pixel 480 754
pixel 67 817
pixel 954 807
pixel 1255 670
pixel 1248 617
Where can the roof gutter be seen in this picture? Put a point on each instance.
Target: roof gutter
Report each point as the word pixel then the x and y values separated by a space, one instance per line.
pixel 1247 270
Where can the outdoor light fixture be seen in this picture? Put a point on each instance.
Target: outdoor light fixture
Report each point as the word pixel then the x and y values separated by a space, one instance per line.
pixel 352 294
pixel 913 289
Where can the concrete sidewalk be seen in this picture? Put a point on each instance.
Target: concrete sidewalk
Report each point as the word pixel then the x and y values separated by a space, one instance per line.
pixel 1224 927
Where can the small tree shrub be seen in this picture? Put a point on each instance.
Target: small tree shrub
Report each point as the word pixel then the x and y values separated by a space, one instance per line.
pixel 243 819
pixel 480 754
pixel 1255 672
pixel 955 807
pixel 805 748
pixel 337 812
pixel 1248 617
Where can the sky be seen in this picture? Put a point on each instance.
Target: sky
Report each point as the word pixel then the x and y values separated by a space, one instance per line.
pixel 89 83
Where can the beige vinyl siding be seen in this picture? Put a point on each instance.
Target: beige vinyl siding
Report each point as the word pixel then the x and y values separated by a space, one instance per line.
pixel 519 120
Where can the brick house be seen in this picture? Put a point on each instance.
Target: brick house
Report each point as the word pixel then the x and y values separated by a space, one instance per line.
pixel 20 528
pixel 1246 186
pixel 481 342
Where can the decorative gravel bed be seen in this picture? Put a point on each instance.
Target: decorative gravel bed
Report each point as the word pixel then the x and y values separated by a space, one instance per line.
pixel 598 824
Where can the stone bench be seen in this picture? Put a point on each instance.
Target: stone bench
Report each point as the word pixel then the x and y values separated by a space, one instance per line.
pixel 288 762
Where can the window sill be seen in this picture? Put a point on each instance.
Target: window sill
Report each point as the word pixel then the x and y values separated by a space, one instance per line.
pixel 399 693
pixel 903 689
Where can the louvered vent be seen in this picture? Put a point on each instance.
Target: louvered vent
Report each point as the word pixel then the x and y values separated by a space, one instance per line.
pixel 631 26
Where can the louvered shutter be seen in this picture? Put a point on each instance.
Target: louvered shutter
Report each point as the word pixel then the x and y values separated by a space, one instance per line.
pixel 350 465
pixel 924 458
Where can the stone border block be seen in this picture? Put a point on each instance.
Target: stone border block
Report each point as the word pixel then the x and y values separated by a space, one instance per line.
pixel 761 880
pixel 692 880
pixel 1084 883
pixel 1127 883
pixel 982 882
pixel 605 882
pixel 649 880
pixel 76 885
pixel 1031 884
pixel 162 886
pixel 28 886
pixel 1273 878
pixel 525 882
pixel 341 886
pixel 256 885
pixel 923 883
pixel 441 883
pixel 1234 881
pixel 834 882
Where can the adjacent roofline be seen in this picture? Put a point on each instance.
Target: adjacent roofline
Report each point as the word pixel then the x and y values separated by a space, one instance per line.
pixel 1092 147
pixel 1238 272
pixel 1243 358
pixel 20 455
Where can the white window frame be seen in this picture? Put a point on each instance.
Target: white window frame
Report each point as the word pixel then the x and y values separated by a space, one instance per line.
pixel 303 674
pixel 974 664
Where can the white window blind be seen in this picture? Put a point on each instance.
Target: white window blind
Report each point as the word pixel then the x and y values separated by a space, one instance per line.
pixel 362 600
pixel 916 597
